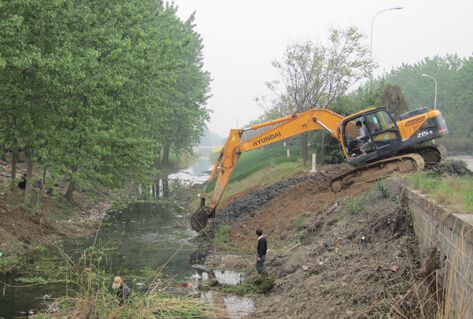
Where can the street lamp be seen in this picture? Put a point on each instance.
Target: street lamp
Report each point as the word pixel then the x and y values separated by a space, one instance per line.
pixel 435 94
pixel 372 25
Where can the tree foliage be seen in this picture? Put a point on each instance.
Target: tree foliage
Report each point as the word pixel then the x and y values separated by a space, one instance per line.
pixel 96 90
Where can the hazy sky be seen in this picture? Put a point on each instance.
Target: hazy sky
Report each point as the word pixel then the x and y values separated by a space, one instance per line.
pixel 241 38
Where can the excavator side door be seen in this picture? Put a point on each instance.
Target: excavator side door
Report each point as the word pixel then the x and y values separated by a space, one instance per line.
pixel 370 136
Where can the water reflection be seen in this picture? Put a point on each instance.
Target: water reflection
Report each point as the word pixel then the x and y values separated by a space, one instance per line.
pixel 236 307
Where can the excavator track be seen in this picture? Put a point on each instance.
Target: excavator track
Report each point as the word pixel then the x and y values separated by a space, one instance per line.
pixel 371 172
pixel 432 155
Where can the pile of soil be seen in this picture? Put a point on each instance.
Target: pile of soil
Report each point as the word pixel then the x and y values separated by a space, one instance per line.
pixel 451 168
pixel 336 255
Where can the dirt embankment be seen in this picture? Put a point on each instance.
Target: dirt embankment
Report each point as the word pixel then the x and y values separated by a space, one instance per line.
pixel 40 219
pixel 336 255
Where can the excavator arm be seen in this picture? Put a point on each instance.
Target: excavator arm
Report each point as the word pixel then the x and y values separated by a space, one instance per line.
pixel 283 128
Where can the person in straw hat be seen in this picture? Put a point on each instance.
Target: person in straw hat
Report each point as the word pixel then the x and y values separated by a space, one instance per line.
pixel 122 290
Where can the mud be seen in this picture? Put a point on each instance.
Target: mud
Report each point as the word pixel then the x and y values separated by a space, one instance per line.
pixel 451 167
pixel 336 255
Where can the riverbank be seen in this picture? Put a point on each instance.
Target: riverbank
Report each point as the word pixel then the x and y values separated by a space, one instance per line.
pixel 33 221
pixel 40 218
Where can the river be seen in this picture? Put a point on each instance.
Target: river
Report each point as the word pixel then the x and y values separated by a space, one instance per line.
pixel 140 240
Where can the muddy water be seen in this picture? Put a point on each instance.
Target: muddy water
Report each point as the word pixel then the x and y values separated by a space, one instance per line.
pixel 141 239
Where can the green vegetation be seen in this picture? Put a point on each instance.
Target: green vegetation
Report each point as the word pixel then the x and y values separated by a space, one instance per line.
pixel 7 263
pixel 221 235
pixel 256 160
pixel 262 167
pixel 381 187
pixel 355 205
pixel 98 92
pixel 252 285
pixel 454 191
pixel 141 306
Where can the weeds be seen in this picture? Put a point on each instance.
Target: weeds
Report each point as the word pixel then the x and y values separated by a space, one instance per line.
pixel 252 285
pixel 222 235
pixel 451 190
pixel 381 187
pixel 89 295
pixel 355 205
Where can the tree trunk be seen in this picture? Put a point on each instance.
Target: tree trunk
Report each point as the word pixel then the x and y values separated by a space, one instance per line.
pixel 70 189
pixel 29 170
pixel 165 186
pixel 157 160
pixel 153 189
pixel 14 161
pixel 304 148
pixel 166 154
pixel 44 176
pixel 3 153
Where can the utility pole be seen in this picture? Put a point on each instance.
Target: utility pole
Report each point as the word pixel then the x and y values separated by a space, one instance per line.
pixel 435 91
pixel 372 24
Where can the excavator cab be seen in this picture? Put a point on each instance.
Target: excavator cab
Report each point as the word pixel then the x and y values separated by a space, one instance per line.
pixel 369 135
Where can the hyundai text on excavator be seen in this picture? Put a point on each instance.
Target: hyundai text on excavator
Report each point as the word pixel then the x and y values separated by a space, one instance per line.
pixel 373 144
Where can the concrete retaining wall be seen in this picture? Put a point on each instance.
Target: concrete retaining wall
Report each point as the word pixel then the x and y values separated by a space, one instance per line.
pixel 449 235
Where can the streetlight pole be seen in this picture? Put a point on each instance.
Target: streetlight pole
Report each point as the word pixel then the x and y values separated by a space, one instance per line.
pixel 435 93
pixel 372 25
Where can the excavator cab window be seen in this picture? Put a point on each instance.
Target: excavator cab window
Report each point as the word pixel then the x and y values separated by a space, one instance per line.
pixel 370 132
pixel 383 130
pixel 357 137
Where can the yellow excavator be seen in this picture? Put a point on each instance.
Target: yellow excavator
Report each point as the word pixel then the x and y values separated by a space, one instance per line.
pixel 373 144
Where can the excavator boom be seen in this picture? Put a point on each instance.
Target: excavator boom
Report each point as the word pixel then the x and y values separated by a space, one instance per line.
pixel 285 127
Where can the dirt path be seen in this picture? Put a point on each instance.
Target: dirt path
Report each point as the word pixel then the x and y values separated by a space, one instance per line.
pixel 336 255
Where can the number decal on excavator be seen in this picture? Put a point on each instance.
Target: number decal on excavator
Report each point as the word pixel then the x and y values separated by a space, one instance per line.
pixel 424 133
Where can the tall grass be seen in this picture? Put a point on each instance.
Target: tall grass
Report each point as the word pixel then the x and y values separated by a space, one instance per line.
pixel 89 295
pixel 451 190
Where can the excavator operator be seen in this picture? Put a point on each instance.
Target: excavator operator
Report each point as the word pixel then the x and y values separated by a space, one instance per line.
pixel 356 145
pixel 362 133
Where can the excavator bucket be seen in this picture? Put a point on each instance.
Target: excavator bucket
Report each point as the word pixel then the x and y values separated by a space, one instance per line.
pixel 199 218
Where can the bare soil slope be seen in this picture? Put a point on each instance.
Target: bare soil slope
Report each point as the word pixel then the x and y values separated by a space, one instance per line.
pixel 336 255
